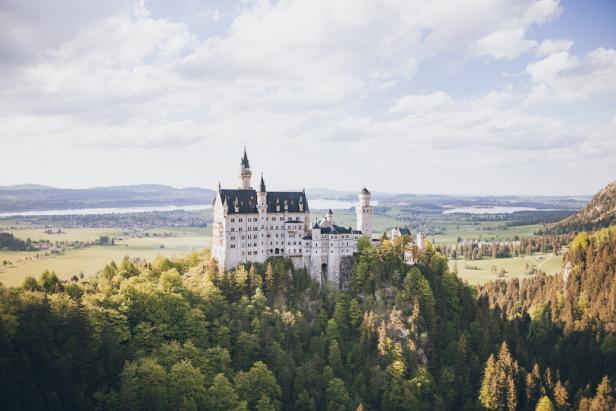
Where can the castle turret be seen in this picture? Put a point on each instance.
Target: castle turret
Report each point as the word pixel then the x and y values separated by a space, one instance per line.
pixel 329 217
pixel 262 194
pixel 420 240
pixel 245 173
pixel 364 213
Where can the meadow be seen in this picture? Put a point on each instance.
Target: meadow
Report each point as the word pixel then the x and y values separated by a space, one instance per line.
pixel 487 269
pixel 92 259
pixel 445 229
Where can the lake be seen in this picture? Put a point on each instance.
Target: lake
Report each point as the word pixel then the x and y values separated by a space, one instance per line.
pixel 316 204
pixel 112 210
pixel 489 210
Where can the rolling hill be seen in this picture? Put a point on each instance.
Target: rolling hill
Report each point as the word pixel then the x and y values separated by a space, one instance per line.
pixel 37 197
pixel 600 212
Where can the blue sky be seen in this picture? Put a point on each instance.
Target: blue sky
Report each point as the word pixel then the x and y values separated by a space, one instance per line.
pixel 419 96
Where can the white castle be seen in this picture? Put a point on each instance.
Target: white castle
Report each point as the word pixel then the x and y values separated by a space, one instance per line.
pixel 251 226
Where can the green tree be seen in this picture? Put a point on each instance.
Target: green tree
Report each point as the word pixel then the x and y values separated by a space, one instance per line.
pixel 269 279
pixel 144 385
pixel 257 382
pixel 355 314
pixel 336 395
pixel 186 387
pixel 499 385
pixel 221 396
pixel 545 404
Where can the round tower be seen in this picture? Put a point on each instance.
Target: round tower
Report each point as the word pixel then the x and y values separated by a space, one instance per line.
pixel 329 217
pixel 245 173
pixel 364 213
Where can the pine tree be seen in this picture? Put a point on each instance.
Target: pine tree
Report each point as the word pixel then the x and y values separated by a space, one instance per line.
pixel 355 314
pixel 499 386
pixel 545 404
pixel 269 279
pixel 561 396
pixel 488 391
pixel 533 385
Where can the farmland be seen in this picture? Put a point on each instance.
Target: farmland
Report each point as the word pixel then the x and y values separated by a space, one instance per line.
pixel 144 245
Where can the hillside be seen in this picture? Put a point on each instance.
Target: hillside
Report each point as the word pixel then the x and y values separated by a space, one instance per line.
pixel 35 197
pixel 582 298
pixel 600 212
pixel 181 334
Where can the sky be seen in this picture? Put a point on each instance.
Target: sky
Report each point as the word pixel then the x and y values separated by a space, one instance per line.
pixel 415 96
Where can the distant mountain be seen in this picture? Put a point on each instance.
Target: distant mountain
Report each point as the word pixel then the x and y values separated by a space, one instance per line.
pixel 600 212
pixel 31 197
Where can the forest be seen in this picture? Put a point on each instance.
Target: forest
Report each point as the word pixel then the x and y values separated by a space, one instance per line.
pixel 181 334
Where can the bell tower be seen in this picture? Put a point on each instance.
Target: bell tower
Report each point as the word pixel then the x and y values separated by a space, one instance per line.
pixel 245 173
pixel 364 213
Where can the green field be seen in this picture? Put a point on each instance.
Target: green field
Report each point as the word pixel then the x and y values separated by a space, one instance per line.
pixel 92 259
pixel 515 267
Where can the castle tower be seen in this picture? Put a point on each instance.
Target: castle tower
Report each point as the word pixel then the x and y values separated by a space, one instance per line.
pixel 262 210
pixel 364 213
pixel 420 240
pixel 262 194
pixel 245 173
pixel 329 217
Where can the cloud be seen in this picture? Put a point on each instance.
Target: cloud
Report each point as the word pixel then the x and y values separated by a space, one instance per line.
pixel 561 77
pixel 550 46
pixel 490 121
pixel 421 103
pixel 115 81
pixel 504 44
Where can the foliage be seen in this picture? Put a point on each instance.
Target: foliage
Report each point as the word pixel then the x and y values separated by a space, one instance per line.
pixel 182 334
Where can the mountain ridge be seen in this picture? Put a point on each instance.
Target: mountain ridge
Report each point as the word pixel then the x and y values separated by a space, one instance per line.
pixel 31 197
pixel 600 212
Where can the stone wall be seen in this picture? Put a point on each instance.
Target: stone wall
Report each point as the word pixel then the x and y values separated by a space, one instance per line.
pixel 346 270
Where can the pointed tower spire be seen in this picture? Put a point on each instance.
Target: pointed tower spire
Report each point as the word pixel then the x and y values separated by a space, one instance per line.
pixel 245 163
pixel 262 186
pixel 245 173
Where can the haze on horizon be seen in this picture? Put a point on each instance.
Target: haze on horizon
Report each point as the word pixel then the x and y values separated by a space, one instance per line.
pixel 466 97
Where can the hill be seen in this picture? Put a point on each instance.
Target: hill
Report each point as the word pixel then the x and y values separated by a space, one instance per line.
pixel 600 212
pixel 581 298
pixel 35 197
pixel 181 334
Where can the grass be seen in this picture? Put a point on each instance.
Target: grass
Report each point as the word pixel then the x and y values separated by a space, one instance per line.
pixel 480 271
pixel 91 260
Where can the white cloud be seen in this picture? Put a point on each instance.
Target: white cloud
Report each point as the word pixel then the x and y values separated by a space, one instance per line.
pixel 504 44
pixel 421 103
pixel 563 77
pixel 295 80
pixel 550 46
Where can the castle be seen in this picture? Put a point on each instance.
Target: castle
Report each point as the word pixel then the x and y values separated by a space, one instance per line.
pixel 252 225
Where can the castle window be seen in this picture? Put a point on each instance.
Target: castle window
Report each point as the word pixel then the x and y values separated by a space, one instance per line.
pixel 232 245
pixel 232 229
pixel 233 220
pixel 239 219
